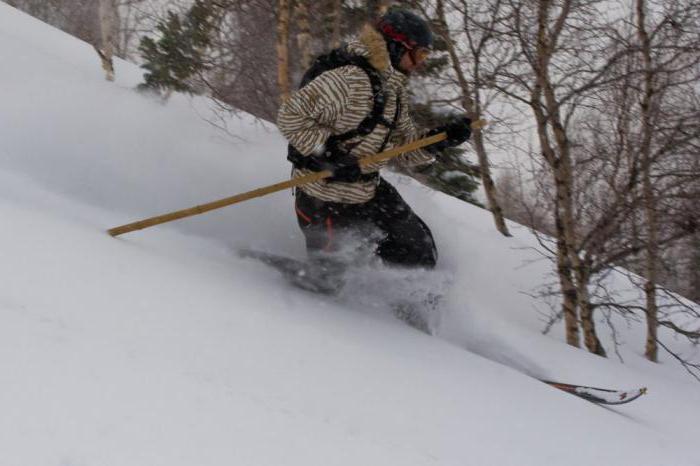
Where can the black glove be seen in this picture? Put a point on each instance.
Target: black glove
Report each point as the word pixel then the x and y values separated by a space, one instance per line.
pixel 347 170
pixel 458 130
pixel 345 167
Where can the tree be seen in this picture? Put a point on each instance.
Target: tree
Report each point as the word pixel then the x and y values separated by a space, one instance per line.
pixel 583 76
pixel 109 28
pixel 301 13
pixel 451 173
pixel 335 19
pixel 375 8
pixel 472 104
pixel 539 31
pixel 179 54
pixel 283 49
pixel 667 41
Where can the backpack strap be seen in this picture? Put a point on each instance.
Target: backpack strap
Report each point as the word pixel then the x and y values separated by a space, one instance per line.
pixel 336 59
pixel 376 115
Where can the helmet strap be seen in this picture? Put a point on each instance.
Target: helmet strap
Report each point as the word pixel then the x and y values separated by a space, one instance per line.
pixel 396 51
pixel 412 54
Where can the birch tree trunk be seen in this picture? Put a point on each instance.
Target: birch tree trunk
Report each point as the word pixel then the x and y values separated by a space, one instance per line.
pixel 109 23
pixel 473 107
pixel 564 182
pixel 283 49
pixel 652 253
pixel 372 9
pixel 560 161
pixel 548 116
pixel 304 35
pixel 586 308
pixel 336 18
pixel 566 282
pixel 569 290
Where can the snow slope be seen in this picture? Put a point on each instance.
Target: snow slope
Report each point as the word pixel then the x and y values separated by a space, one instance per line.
pixel 163 348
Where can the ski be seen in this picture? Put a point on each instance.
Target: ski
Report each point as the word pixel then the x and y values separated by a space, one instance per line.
pixel 299 273
pixel 596 395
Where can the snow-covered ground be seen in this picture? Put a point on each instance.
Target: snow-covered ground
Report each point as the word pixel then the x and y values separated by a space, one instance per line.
pixel 162 347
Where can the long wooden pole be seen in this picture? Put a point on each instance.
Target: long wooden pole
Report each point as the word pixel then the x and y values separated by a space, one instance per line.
pixel 302 180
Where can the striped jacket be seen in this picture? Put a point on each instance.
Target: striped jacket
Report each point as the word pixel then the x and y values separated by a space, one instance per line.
pixel 336 102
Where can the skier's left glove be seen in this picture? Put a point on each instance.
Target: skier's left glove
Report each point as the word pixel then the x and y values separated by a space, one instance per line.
pixel 458 130
pixel 345 167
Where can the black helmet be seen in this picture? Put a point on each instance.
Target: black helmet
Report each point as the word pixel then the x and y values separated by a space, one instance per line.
pixel 403 31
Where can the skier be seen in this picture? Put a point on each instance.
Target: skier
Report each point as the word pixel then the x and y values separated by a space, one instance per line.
pixel 354 105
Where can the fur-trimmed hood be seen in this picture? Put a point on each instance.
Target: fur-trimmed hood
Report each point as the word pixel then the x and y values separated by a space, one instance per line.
pixel 371 44
pixel 375 45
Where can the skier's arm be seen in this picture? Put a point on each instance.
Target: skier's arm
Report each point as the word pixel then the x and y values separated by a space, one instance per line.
pixel 405 133
pixel 307 118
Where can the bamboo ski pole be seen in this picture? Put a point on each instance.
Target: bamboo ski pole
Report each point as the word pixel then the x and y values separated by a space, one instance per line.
pixel 200 209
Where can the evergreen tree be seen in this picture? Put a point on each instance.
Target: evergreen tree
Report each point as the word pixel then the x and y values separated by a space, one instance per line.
pixel 179 54
pixel 451 173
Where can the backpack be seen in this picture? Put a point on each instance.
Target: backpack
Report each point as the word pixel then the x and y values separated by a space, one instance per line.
pixel 335 59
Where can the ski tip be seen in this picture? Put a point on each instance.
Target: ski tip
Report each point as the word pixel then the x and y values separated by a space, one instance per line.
pixel 600 395
pixel 629 395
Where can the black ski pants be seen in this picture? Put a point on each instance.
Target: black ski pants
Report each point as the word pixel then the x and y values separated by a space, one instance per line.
pixel 398 235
